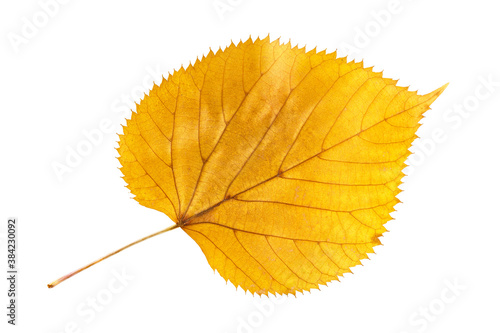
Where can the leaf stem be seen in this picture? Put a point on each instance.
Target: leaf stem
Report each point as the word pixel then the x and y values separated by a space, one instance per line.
pixel 67 276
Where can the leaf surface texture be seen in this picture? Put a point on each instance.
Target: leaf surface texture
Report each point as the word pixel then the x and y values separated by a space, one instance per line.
pixel 282 165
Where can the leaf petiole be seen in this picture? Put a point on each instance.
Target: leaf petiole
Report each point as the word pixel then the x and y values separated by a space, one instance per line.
pixel 67 276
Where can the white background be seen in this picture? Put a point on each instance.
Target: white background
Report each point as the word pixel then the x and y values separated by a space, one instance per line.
pixel 73 73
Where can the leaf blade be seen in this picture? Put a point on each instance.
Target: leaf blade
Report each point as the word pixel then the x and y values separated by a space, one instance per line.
pixel 285 165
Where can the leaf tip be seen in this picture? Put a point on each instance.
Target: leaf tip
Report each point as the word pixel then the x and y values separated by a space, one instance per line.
pixel 440 90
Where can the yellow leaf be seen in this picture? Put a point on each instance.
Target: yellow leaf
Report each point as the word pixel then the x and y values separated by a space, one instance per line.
pixel 282 165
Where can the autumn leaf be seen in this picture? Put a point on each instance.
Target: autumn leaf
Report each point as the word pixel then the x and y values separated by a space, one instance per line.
pixel 282 165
